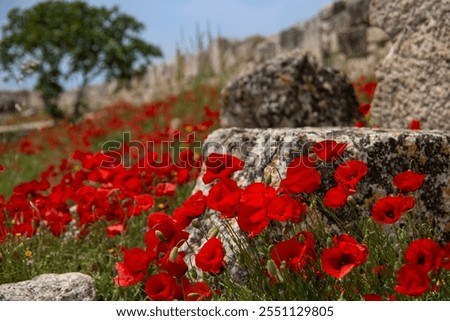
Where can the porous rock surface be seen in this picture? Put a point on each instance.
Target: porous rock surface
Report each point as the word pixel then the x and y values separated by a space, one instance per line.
pixel 51 287
pixel 414 78
pixel 386 152
pixel 289 91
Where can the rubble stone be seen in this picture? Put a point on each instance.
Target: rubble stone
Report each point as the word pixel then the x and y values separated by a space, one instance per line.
pixel 289 91
pixel 51 287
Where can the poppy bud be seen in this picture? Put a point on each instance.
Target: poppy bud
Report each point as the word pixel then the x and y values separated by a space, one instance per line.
pixel 213 232
pixel 195 224
pixel 329 242
pixel 160 235
pixel 193 273
pixel 401 235
pixel 268 180
pixel 173 255
pixel 271 268
pixel 351 200
pixel 193 295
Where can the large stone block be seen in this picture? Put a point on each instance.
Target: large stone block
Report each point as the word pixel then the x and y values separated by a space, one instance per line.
pixel 386 153
pixel 289 91
pixel 414 77
pixel 51 287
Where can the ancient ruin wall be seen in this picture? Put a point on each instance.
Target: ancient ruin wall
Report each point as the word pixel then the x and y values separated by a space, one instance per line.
pixel 339 36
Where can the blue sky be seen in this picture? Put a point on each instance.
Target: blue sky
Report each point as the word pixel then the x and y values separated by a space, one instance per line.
pixel 172 23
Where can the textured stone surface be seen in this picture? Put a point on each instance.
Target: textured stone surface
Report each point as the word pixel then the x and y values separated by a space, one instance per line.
pixel 289 91
pixel 51 287
pixel 414 77
pixel 386 152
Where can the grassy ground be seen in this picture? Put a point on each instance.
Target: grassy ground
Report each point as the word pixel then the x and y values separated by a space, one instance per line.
pixel 26 159
pixel 66 157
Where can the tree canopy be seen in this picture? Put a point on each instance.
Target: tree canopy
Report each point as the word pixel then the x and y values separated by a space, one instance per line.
pixel 57 41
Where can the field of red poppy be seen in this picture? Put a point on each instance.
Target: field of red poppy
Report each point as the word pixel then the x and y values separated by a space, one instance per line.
pixel 111 197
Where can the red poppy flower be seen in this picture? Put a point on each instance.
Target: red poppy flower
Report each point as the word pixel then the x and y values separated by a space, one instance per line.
pixel 253 221
pixel 210 257
pixel 364 109
pixel 162 287
pixel 192 208
pixel 369 89
pixel 301 176
pixel 408 181
pixel 425 253
pixel 142 202
pixel 359 124
pixel 344 256
pixel 296 252
pixel 303 181
pixel 162 222
pixel 1 167
pixel 186 160
pixel 165 189
pixel 329 150
pixel 415 124
pixel 389 209
pixel 128 181
pixel 163 235
pixel 134 267
pixel 32 187
pixel 27 228
pixel 56 220
pixel 209 112
pixel 115 229
pixel 350 173
pixel 412 280
pixel 197 291
pixel 3 231
pixel 372 297
pixel 176 268
pixel 252 213
pixel 336 197
pixel 224 197
pixel 284 208
pixel 221 166
pixel 183 175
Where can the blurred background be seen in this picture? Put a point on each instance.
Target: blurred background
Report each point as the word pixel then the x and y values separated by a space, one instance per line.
pixel 178 23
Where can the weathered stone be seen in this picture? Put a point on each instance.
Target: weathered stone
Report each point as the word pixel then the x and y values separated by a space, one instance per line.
pixel 291 38
pixel 392 16
pixel 51 287
pixel 358 11
pixel 376 35
pixel 386 153
pixel 332 9
pixel 289 91
pixel 414 77
pixel 353 41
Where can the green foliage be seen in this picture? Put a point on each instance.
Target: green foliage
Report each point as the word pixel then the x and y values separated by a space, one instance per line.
pixel 57 41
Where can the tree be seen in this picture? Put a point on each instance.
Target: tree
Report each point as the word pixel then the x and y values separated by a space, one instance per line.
pixel 71 40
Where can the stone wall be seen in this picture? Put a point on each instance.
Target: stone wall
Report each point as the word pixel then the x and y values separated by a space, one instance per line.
pixel 413 79
pixel 339 36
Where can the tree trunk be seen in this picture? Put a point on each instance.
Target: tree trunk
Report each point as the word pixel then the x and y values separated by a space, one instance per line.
pixel 79 99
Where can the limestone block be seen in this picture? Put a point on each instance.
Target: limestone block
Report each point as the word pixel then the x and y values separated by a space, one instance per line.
pixel 51 287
